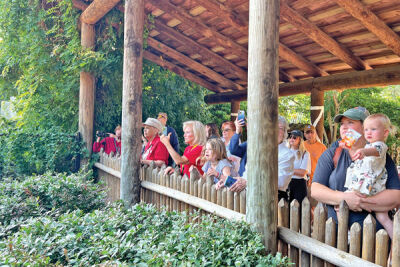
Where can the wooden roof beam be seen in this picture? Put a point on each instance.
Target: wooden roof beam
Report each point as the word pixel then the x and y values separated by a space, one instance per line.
pixel 97 9
pixel 194 22
pixel 199 49
pixel 180 71
pixel 300 62
pixel 321 38
pixel 372 23
pixel 351 80
pixel 228 14
pixel 285 77
pixel 224 82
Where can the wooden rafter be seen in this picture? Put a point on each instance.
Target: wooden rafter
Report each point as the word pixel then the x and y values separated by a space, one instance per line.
pixel 351 80
pixel 181 72
pixel 285 77
pixel 300 62
pixel 97 9
pixel 224 82
pixel 222 11
pixel 193 22
pixel 195 47
pixel 284 52
pixel 372 23
pixel 320 37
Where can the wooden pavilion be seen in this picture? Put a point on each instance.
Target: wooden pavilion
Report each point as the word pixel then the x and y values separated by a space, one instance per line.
pixel 247 49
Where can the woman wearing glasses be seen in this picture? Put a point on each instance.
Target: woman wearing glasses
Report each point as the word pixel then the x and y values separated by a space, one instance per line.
pixel 302 167
pixel 228 130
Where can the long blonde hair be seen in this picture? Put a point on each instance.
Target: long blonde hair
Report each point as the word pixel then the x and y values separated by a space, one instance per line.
pixel 301 150
pixel 199 131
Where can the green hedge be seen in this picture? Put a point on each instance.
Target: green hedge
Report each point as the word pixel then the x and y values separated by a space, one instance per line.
pixel 141 236
pixel 46 194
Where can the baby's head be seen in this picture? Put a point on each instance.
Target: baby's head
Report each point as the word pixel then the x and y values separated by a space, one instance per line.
pixel 377 127
pixel 215 149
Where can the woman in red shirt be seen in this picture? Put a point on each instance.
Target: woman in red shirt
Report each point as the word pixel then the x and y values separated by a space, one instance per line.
pixel 154 149
pixel 195 137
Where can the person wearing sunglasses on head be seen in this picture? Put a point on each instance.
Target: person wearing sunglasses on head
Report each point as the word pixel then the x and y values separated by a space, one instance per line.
pixel 314 147
pixel 302 167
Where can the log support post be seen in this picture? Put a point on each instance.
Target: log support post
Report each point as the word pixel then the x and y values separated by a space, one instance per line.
pixel 87 91
pixel 235 106
pixel 317 110
pixel 132 101
pixel 263 77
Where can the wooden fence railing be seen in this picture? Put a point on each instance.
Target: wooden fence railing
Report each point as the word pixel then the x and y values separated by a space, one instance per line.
pixel 308 243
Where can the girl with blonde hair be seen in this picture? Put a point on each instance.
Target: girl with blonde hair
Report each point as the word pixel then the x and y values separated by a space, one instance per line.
pixel 302 167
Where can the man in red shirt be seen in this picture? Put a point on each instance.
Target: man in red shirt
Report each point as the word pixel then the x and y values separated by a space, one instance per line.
pixel 154 149
pixel 112 143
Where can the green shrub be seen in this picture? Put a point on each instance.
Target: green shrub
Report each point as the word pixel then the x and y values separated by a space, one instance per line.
pixel 141 236
pixel 47 194
pixel 28 151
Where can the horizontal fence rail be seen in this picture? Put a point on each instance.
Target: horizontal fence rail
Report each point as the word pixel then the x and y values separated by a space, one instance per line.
pixel 308 239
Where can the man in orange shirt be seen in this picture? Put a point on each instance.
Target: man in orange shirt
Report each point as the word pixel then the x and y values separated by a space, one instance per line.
pixel 314 147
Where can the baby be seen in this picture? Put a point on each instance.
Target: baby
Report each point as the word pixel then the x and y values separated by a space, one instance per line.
pixel 368 174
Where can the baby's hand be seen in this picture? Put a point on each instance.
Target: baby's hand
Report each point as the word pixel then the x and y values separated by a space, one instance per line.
pixel 359 154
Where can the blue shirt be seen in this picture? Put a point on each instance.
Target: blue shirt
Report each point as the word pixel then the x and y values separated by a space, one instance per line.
pixel 174 143
pixel 334 178
pixel 239 150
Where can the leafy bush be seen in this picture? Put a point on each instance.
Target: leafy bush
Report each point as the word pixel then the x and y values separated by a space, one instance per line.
pixel 47 194
pixel 27 151
pixel 140 236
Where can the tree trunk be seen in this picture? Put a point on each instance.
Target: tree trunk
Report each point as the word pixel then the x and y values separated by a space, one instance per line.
pixel 262 164
pixel 132 102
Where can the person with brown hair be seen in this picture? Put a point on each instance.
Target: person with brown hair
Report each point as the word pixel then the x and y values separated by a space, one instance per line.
pixel 212 130
pixel 163 118
pixel 314 147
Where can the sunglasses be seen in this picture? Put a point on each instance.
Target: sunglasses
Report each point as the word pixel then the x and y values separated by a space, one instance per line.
pixel 308 132
pixel 293 137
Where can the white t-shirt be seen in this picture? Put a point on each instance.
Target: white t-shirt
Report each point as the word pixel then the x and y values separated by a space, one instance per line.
pixel 303 162
pixel 285 166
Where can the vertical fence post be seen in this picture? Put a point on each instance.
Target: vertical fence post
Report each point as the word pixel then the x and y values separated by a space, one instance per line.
pixel 305 228
pixel 330 236
pixel 355 240
pixel 368 240
pixel 396 240
pixel 343 221
pixel 382 247
pixel 283 220
pixel 295 226
pixel 319 229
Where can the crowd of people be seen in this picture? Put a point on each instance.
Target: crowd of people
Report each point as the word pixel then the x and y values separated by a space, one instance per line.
pixel 361 173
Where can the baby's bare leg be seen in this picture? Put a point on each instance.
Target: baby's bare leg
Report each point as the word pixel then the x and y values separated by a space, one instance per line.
pixel 387 223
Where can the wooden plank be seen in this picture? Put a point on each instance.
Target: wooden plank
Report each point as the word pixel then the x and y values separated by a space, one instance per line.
pixel 180 71
pixel 97 9
pixel 368 240
pixel 351 80
pixel 197 48
pixel 321 250
pixel 283 221
pixel 396 240
pixel 204 30
pixel 262 184
pixel 372 23
pixel 330 236
pixel 320 37
pixel 355 240
pixel 300 62
pixel 305 229
pixel 211 74
pixel 319 230
pixel 195 201
pixel 382 247
pixel 343 221
pixel 294 226
pixel 132 102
